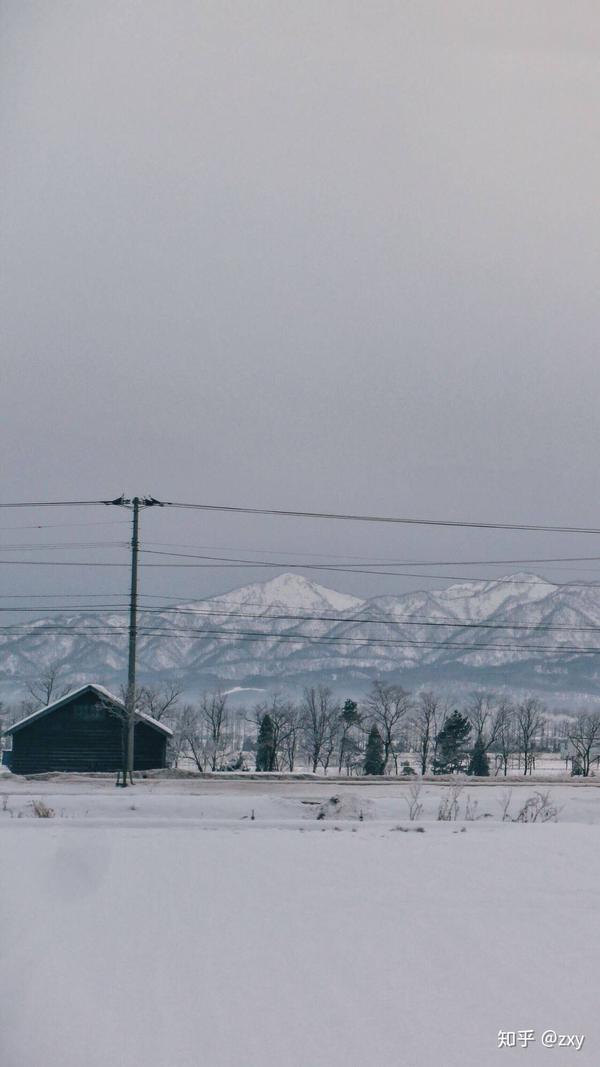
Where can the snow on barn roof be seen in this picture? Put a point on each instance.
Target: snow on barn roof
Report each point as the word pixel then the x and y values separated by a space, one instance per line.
pixel 105 694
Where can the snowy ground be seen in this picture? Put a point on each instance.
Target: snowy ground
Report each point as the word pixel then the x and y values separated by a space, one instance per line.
pixel 162 926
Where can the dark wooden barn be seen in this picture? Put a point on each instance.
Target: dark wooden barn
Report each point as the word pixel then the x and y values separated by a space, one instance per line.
pixel 84 731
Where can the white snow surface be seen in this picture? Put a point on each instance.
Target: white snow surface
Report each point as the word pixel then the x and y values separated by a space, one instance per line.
pixel 162 926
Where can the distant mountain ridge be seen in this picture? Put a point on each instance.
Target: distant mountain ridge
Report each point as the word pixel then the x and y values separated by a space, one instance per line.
pixel 289 631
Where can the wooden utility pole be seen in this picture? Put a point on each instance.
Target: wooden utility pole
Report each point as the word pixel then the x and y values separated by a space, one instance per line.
pixel 126 774
pixel 128 748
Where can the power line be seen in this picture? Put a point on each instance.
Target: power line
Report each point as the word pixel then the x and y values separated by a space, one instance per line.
pixel 228 564
pixel 65 525
pixel 336 516
pixel 96 608
pixel 378 561
pixel 61 563
pixel 56 503
pixel 223 563
pixel 346 517
pixel 53 546
pixel 236 563
pixel 264 636
pixel 365 568
pixel 412 620
pixel 65 596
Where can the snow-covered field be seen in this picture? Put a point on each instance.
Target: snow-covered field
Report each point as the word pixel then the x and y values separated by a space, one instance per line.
pixel 163 926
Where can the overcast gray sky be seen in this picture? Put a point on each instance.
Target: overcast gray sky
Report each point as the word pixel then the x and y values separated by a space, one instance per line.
pixel 327 256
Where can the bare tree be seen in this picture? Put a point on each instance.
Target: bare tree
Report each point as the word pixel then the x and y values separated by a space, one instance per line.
pixel 529 717
pixel 483 714
pixel 286 728
pixel 189 738
pixel 424 722
pixel 214 714
pixel 331 739
pixel 290 736
pixel 389 705
pixel 159 701
pixel 320 724
pixel 205 732
pixel 584 736
pixel 48 686
pixel 505 741
pixel 178 745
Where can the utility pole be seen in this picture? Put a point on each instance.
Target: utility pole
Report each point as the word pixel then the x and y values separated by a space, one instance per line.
pixel 135 504
pixel 130 701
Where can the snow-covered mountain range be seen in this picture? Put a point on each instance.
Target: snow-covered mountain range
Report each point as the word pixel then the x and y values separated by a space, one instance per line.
pixel 519 632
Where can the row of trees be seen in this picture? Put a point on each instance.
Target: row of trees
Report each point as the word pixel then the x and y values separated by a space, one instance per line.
pixel 374 737
pixel 322 733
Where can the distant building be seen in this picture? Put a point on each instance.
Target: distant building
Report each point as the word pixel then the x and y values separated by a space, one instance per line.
pixel 84 731
pixel 568 752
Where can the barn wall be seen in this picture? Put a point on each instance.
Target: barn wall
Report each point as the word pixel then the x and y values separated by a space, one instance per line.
pixel 83 735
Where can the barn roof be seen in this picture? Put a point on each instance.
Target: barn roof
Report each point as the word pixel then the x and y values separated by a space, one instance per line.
pixel 103 693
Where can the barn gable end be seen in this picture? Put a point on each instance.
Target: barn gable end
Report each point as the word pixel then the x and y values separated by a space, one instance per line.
pixel 84 731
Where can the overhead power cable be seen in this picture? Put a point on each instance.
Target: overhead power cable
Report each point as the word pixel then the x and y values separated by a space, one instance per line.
pixel 68 608
pixel 61 563
pixel 408 620
pixel 65 525
pixel 54 546
pixel 65 596
pixel 236 563
pixel 222 563
pixel 336 516
pixel 374 561
pixel 348 517
pixel 262 636
pixel 55 503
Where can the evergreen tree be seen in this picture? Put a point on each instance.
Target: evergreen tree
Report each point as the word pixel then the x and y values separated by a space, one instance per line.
pixel 479 763
pixel 452 743
pixel 374 756
pixel 265 745
pixel 349 718
pixel 350 714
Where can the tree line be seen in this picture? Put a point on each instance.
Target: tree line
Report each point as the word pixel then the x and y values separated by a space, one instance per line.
pixel 488 734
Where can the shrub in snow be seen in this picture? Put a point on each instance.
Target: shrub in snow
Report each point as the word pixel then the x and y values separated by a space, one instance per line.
pixel 414 805
pixel 449 806
pixel 472 810
pixel 537 808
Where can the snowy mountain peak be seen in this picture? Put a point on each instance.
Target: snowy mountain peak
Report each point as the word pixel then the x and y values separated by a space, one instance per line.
pixel 292 592
pixel 527 578
pixel 477 600
pixel 514 631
